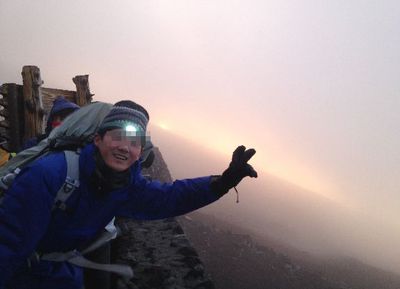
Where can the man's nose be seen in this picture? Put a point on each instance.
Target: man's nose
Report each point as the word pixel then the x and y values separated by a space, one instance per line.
pixel 124 147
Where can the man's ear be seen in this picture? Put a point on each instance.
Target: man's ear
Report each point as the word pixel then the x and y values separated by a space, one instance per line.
pixel 140 154
pixel 96 139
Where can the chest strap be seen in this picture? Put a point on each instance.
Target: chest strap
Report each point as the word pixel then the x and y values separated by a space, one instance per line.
pixel 75 257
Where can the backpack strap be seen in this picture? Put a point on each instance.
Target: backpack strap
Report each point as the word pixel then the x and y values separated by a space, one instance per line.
pixel 71 181
pixel 110 232
pixel 7 180
pixel 76 258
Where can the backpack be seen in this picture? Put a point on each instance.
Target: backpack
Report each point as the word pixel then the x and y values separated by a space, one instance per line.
pixel 77 130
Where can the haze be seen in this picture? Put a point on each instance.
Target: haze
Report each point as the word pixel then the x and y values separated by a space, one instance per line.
pixel 286 213
pixel 312 85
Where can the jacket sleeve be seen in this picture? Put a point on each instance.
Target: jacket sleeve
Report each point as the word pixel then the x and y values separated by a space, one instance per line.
pixel 154 200
pixel 24 216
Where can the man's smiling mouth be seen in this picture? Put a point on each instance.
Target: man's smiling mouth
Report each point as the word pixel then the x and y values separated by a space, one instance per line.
pixel 120 157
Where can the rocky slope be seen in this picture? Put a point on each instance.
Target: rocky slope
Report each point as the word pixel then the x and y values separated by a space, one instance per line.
pixel 236 261
pixel 236 258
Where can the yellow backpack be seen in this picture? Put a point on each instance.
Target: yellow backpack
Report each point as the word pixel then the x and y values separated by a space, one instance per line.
pixel 5 156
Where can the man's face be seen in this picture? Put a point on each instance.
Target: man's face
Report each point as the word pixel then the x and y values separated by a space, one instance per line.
pixel 119 149
pixel 59 117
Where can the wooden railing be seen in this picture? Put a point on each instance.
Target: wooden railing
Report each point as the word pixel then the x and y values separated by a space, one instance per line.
pixel 24 108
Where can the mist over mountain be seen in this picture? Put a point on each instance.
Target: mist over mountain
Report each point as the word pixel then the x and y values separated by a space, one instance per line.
pixel 282 211
pixel 235 258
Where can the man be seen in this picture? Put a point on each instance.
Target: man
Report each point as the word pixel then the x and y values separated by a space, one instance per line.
pixel 110 185
pixel 59 111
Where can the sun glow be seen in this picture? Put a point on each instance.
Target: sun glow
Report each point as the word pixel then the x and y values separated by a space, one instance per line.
pixel 163 125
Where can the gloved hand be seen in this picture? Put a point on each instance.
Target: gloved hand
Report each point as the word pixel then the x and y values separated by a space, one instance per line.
pixel 237 170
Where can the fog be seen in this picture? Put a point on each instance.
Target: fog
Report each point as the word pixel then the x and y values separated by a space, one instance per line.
pixel 274 208
pixel 311 84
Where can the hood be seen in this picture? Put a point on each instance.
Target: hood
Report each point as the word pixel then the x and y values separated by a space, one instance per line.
pixel 60 104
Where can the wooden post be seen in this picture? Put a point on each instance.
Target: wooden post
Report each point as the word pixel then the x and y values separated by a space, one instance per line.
pixel 33 102
pixel 83 95
pixel 12 112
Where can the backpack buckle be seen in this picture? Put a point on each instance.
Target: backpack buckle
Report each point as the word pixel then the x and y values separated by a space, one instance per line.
pixel 70 185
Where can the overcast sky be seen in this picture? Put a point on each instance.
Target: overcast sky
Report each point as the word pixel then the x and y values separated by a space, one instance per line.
pixel 313 85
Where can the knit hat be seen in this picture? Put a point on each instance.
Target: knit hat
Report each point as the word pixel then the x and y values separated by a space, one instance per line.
pixel 126 114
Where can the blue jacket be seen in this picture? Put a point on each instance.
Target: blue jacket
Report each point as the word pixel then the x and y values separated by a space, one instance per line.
pixel 28 224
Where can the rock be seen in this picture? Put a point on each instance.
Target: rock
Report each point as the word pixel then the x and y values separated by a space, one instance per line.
pixel 187 251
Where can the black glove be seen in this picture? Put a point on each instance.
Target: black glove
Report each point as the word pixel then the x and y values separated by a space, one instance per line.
pixel 237 170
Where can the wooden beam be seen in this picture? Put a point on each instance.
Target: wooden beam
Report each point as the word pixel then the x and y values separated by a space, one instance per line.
pixel 83 95
pixel 34 112
pixel 13 122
